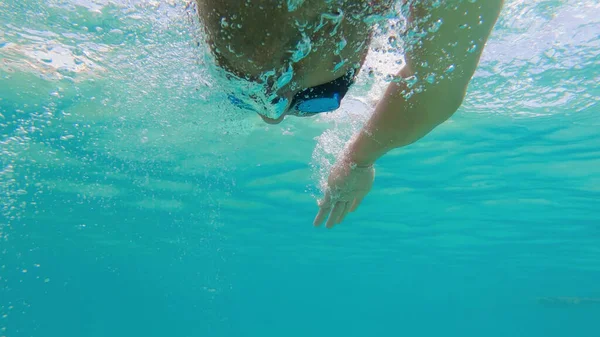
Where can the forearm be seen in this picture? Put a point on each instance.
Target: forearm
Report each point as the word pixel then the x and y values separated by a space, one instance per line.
pixel 400 120
pixel 404 114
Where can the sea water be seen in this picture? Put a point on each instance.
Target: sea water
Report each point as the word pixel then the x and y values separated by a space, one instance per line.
pixel 136 201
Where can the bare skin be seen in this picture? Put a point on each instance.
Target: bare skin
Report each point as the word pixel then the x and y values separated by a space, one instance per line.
pixel 250 38
pixel 447 42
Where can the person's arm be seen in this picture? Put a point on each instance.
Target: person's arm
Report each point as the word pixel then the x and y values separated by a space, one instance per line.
pixel 448 41
pixel 447 57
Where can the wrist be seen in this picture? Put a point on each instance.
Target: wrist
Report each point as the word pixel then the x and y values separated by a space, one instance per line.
pixel 362 150
pixel 360 162
pixel 350 161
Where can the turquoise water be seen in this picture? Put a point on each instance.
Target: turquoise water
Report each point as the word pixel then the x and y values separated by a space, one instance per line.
pixel 137 202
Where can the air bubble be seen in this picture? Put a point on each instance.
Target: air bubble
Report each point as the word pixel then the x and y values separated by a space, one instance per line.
pixel 435 26
pixel 285 78
pixel 339 65
pixel 341 45
pixel 411 81
pixel 393 41
pixel 294 4
pixel 303 48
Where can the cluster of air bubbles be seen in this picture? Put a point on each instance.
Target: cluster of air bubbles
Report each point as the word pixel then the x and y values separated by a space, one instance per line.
pixel 435 26
pixel 292 5
pixel 303 48
pixel 224 23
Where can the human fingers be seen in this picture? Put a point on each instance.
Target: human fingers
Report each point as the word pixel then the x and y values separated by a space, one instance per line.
pixel 337 210
pixel 355 204
pixel 324 209
pixel 345 212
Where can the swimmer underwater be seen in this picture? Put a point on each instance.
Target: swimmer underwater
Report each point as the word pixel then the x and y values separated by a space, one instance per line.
pixel 329 40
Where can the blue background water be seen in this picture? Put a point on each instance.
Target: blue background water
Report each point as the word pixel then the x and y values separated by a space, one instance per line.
pixel 133 205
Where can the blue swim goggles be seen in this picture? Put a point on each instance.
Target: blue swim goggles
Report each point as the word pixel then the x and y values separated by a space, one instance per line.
pixel 322 98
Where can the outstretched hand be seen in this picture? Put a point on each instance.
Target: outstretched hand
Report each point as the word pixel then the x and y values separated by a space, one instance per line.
pixel 347 185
